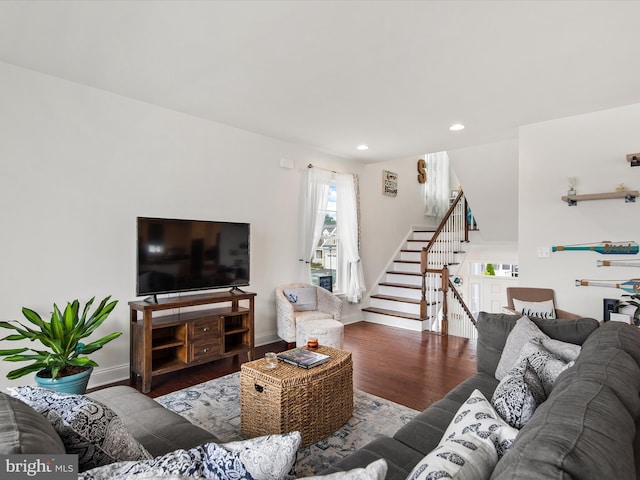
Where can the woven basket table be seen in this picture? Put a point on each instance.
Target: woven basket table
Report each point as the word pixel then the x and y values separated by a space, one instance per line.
pixel 316 402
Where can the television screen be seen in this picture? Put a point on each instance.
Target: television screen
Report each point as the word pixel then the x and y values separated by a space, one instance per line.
pixel 183 255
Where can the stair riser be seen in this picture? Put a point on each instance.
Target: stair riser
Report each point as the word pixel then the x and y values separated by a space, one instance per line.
pixel 399 292
pixel 407 279
pixel 422 236
pixel 406 267
pixel 397 306
pixel 416 245
pixel 410 256
pixel 397 322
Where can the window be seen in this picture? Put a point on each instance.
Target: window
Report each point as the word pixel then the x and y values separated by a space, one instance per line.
pixel 327 257
pixel 330 233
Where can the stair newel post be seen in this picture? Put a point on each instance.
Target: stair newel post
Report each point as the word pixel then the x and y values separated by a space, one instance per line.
pixel 466 220
pixel 423 270
pixel 445 287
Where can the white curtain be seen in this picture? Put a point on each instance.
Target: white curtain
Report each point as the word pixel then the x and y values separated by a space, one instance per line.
pixel 347 220
pixel 316 192
pixel 437 187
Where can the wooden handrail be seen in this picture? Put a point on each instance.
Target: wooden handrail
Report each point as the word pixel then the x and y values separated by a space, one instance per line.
pixel 446 283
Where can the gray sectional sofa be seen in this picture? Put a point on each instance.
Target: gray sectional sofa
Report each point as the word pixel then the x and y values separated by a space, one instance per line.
pixel 586 429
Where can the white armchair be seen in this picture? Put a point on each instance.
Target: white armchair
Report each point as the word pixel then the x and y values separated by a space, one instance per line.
pixel 304 306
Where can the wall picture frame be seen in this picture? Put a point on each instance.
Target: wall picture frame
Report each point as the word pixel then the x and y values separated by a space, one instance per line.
pixel 389 183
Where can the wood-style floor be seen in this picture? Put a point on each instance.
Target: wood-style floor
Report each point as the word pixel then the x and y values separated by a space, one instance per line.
pixel 411 368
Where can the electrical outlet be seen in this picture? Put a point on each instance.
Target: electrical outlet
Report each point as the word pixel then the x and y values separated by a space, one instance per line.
pixel 544 252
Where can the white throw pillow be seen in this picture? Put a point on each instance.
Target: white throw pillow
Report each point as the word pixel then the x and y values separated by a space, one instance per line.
pixel 374 471
pixel 471 446
pixel 303 298
pixel 522 332
pixel 544 309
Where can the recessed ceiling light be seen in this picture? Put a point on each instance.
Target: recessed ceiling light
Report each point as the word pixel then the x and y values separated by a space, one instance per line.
pixel 363 147
pixel 456 127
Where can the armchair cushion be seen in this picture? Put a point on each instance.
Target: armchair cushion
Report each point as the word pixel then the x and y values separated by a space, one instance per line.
pixel 303 299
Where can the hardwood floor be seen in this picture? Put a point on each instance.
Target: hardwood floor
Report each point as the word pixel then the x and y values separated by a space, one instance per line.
pixel 411 368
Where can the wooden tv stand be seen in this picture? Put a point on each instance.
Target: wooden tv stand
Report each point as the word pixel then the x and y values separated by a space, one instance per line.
pixel 166 343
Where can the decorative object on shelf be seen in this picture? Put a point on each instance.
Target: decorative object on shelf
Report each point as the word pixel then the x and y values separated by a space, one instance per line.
pixel 389 183
pixel 67 355
pixel 621 188
pixel 619 263
pixel 572 186
pixel 633 159
pixel 628 195
pixel 606 247
pixel 631 286
pixel 312 343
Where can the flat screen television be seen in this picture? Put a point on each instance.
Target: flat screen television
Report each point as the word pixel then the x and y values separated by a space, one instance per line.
pixel 183 255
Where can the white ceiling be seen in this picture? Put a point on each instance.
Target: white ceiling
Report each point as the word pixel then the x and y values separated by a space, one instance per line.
pixel 335 74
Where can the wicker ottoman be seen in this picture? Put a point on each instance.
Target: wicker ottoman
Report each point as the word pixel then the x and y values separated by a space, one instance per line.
pixel 316 402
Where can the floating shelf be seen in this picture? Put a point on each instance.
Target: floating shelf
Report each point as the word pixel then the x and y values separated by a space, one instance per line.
pixel 629 197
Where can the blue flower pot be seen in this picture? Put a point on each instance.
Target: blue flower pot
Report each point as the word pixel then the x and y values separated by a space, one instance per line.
pixel 71 384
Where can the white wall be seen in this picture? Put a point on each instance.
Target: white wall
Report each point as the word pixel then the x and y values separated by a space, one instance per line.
pixel 489 176
pixel 78 165
pixel 386 221
pixel 592 148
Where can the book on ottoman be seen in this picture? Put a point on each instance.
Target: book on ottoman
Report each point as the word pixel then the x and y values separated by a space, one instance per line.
pixel 303 358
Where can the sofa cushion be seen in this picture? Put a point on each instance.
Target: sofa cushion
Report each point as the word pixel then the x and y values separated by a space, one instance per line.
pixel 87 427
pixel 494 328
pixel 376 470
pixel 25 431
pixel 158 429
pixel 471 446
pixel 400 458
pixel 423 432
pixel 586 428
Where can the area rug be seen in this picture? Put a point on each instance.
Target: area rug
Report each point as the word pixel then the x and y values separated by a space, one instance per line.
pixel 215 406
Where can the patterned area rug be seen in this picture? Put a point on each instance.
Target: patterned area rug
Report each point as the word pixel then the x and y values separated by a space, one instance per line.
pixel 215 406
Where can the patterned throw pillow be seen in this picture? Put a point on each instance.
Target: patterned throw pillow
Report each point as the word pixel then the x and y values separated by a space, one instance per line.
pixel 212 461
pixel 546 365
pixel 87 427
pixel 271 457
pixel 518 394
pixel 544 309
pixel 471 446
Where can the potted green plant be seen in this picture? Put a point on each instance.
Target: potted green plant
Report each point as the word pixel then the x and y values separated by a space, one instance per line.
pixel 65 355
pixel 634 301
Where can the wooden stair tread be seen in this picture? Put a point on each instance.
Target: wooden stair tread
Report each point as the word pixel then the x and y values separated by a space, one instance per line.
pixel 393 298
pixel 393 313
pixel 395 272
pixel 400 285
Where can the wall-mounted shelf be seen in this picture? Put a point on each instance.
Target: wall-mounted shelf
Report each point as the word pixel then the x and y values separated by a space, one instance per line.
pixel 629 197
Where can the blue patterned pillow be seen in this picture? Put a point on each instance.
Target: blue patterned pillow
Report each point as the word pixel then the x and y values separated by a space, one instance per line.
pixel 471 446
pixel 264 458
pixel 87 427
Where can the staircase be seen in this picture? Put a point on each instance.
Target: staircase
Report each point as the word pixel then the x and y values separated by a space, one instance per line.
pixel 411 293
pixel 396 301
